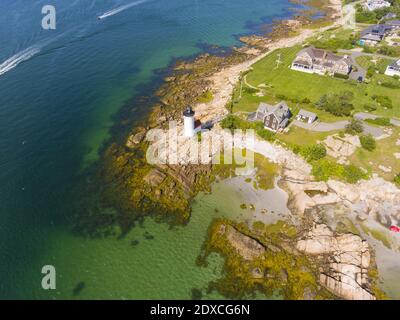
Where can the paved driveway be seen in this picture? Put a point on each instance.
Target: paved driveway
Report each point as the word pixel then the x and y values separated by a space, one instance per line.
pixel 365 116
pixel 359 54
pixel 339 125
pixel 322 126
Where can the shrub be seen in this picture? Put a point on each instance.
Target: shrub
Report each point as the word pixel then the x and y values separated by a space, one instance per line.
pixel 397 180
pixel 368 49
pixel 250 90
pixel 206 97
pixel 366 17
pixel 334 44
pixel 370 71
pixel 232 122
pixel 281 96
pixel 387 51
pixel 368 142
pixel 384 101
pixel 296 148
pixel 337 104
pixel 355 126
pixel 391 85
pixel 353 174
pixel 341 76
pixel 314 152
pixel 380 122
pixel 370 107
pixel 325 169
pixel 263 133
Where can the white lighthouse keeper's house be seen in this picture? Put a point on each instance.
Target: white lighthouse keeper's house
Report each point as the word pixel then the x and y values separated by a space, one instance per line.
pixel 189 122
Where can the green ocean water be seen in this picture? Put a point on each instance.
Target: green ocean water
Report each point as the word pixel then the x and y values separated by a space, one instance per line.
pixel 151 262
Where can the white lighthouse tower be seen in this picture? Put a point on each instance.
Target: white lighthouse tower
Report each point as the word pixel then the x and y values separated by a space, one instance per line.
pixel 188 120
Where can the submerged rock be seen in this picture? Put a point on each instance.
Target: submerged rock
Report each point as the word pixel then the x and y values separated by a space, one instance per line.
pixel 135 139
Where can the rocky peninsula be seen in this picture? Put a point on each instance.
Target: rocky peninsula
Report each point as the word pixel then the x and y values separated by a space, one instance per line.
pixel 314 258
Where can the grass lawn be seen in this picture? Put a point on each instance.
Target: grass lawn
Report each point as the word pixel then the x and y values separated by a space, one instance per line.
pixel 334 39
pixel 380 65
pixel 303 137
pixel 382 155
pixel 279 81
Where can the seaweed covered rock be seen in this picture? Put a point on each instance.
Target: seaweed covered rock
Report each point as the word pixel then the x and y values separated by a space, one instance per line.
pixel 136 138
pixel 246 246
pixel 154 178
pixel 257 260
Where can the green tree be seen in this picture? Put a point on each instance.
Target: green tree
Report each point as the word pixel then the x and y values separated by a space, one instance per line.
pixel 368 142
pixel 355 126
pixel 314 152
pixel 339 104
pixel 383 101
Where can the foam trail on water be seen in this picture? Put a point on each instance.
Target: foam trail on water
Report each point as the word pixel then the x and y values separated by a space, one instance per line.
pixel 29 53
pixel 17 58
pixel 120 9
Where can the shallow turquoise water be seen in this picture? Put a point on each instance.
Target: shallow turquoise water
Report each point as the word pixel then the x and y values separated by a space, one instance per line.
pixel 56 109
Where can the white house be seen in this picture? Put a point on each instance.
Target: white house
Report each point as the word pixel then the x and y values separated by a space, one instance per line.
pixel 313 60
pixel 372 5
pixel 306 116
pixel 393 69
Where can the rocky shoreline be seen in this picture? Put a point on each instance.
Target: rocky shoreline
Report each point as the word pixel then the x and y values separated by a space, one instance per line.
pixel 132 188
pixel 123 171
pixel 310 261
pixel 342 255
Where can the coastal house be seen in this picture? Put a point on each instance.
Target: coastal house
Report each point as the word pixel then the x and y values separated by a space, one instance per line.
pixel 306 116
pixel 275 118
pixel 313 60
pixel 389 15
pixel 373 5
pixel 375 34
pixel 393 69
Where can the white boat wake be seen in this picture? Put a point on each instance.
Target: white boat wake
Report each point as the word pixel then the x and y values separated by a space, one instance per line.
pixel 18 58
pixel 120 9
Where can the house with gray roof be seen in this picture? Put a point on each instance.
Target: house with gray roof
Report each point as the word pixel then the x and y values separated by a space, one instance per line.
pixel 306 116
pixel 389 15
pixel 375 34
pixel 313 60
pixel 275 117
pixel 393 69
